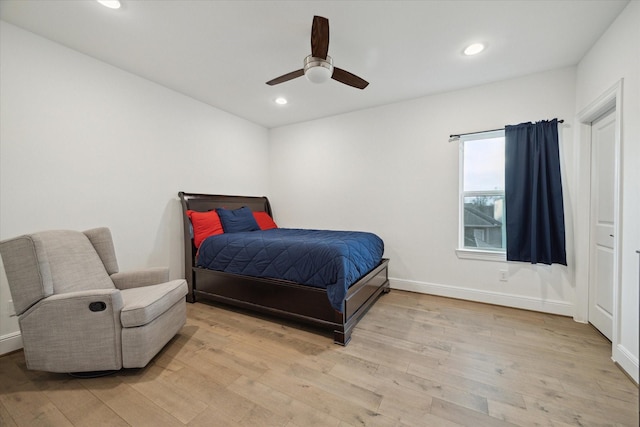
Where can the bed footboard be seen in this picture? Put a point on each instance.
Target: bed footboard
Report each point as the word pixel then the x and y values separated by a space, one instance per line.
pixel 292 301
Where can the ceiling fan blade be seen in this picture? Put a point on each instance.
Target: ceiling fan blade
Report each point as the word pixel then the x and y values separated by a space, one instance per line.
pixel 289 76
pixel 349 79
pixel 320 37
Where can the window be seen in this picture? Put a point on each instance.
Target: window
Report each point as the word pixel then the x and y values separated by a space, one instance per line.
pixel 482 212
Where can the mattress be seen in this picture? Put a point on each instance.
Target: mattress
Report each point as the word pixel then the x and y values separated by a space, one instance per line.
pixel 332 260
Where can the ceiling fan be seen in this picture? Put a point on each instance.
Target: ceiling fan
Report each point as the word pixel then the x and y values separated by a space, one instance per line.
pixel 318 67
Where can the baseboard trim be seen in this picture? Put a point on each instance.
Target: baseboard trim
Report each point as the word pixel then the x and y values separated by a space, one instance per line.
pixel 10 342
pixel 627 361
pixel 562 308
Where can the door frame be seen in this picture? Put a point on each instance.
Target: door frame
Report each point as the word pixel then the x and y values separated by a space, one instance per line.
pixel 611 98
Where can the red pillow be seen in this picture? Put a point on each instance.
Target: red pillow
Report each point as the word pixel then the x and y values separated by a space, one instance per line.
pixel 204 224
pixel 264 221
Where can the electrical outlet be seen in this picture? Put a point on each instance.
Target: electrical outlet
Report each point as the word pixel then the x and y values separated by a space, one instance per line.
pixel 504 276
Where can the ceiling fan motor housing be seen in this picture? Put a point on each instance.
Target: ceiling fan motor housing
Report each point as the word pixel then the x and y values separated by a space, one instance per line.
pixel 318 70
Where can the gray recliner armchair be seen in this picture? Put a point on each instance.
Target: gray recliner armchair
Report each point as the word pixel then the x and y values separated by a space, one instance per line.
pixel 78 313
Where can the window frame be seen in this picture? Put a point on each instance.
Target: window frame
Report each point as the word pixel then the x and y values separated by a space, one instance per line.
pixel 462 251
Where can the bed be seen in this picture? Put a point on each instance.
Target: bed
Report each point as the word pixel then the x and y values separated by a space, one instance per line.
pixel 282 298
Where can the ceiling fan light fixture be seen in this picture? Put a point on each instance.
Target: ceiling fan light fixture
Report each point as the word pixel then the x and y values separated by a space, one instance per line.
pixel 318 70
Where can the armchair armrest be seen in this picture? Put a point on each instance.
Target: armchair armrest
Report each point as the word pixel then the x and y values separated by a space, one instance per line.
pixel 74 332
pixel 138 278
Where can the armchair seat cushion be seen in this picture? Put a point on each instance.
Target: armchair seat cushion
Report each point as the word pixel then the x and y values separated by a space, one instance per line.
pixel 142 305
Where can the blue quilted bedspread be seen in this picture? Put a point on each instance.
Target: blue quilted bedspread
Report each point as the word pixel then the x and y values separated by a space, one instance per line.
pixel 326 259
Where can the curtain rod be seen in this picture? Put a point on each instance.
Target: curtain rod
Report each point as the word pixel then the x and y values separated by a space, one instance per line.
pixel 482 131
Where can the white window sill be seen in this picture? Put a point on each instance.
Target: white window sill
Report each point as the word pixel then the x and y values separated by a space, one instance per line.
pixel 481 255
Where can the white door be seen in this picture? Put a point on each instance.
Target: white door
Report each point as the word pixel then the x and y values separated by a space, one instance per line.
pixel 601 277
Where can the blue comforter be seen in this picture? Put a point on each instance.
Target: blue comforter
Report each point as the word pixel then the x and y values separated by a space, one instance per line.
pixel 326 259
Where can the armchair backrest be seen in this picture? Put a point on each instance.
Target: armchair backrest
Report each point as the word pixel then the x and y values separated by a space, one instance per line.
pixel 53 262
pixel 102 241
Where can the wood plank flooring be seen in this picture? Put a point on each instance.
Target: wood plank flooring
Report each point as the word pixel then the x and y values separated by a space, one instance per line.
pixel 414 360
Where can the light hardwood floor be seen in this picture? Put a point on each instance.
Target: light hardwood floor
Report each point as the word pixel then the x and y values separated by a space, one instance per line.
pixel 414 360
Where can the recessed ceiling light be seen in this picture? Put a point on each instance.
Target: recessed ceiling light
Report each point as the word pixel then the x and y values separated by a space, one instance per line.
pixel 281 101
pixel 111 4
pixel 474 49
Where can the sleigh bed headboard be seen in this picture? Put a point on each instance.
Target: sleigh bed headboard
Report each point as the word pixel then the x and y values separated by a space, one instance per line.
pixel 205 203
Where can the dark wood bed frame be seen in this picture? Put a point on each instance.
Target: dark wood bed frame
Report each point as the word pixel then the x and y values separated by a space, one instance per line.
pixel 281 298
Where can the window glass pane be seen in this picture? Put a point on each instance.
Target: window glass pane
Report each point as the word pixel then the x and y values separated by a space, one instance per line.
pixel 484 164
pixel 484 222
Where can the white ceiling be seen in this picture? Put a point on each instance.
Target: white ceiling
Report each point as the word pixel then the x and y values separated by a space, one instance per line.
pixel 223 52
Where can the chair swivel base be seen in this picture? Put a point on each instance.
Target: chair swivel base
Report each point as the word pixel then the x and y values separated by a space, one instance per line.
pixel 92 374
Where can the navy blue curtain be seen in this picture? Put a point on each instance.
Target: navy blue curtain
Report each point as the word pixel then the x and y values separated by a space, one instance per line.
pixel 533 194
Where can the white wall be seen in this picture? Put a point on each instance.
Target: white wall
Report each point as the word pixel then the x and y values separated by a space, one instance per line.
pixel 614 57
pixel 391 170
pixel 84 144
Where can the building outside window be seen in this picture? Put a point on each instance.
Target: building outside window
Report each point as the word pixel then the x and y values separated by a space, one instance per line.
pixel 482 210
